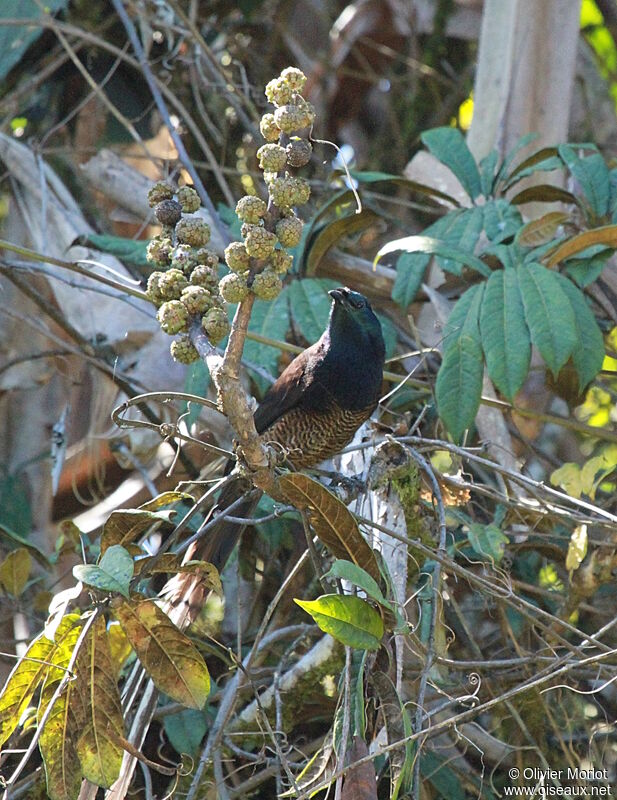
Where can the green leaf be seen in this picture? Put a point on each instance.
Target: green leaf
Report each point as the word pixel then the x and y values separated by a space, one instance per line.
pixel 465 316
pixel 421 188
pixel 584 271
pixel 196 382
pixel 501 220
pixel 310 306
pixel 333 231
pixel 460 230
pixel 588 353
pixel 185 730
pixel 424 244
pixel 592 174
pixel 549 314
pixel 511 155
pixel 488 172
pixel 448 146
pixel 14 41
pixel 348 619
pixel 459 385
pixel 113 573
pixel 348 571
pixel 130 251
pixel 446 781
pixel 505 336
pixel 410 269
pixel 271 319
pixel 488 541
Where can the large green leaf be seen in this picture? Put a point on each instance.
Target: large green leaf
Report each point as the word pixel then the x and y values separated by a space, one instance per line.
pixel 549 314
pixel 465 316
pixel 592 175
pixel 501 220
pixel 505 336
pixel 14 41
pixel 271 319
pixel 459 382
pixel 310 306
pixel 588 353
pixel 459 229
pixel 459 385
pixel 113 573
pixel 449 146
pixel 348 619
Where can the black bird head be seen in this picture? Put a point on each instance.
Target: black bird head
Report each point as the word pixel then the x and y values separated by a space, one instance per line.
pixel 353 319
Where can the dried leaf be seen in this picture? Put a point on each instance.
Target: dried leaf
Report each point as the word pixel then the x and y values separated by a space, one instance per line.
pixel 606 234
pixel 333 523
pixel 361 781
pixel 541 230
pixel 170 658
pixel 126 525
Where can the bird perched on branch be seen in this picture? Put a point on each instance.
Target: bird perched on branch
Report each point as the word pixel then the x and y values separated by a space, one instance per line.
pixel 314 408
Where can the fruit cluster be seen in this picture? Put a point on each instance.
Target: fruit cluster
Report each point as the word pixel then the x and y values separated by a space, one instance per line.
pixel 185 283
pixel 259 262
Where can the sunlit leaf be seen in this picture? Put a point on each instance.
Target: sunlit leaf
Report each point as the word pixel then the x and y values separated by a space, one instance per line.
pixel 348 619
pixel 168 656
pixel 125 525
pixel 27 674
pixel 577 547
pixel 424 244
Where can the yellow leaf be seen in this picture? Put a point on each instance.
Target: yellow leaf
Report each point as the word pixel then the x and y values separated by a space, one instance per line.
pixel 606 234
pixel 95 703
pixel 568 477
pixel 168 656
pixel 14 571
pixel 27 675
pixel 577 549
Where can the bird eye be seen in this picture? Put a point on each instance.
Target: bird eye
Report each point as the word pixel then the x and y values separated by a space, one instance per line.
pixel 359 303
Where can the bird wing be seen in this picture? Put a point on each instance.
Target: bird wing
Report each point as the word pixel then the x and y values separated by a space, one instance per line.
pixel 286 392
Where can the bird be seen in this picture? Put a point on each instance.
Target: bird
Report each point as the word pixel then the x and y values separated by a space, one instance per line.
pixel 312 410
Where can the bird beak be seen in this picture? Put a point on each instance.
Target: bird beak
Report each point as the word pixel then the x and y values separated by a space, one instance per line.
pixel 339 295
